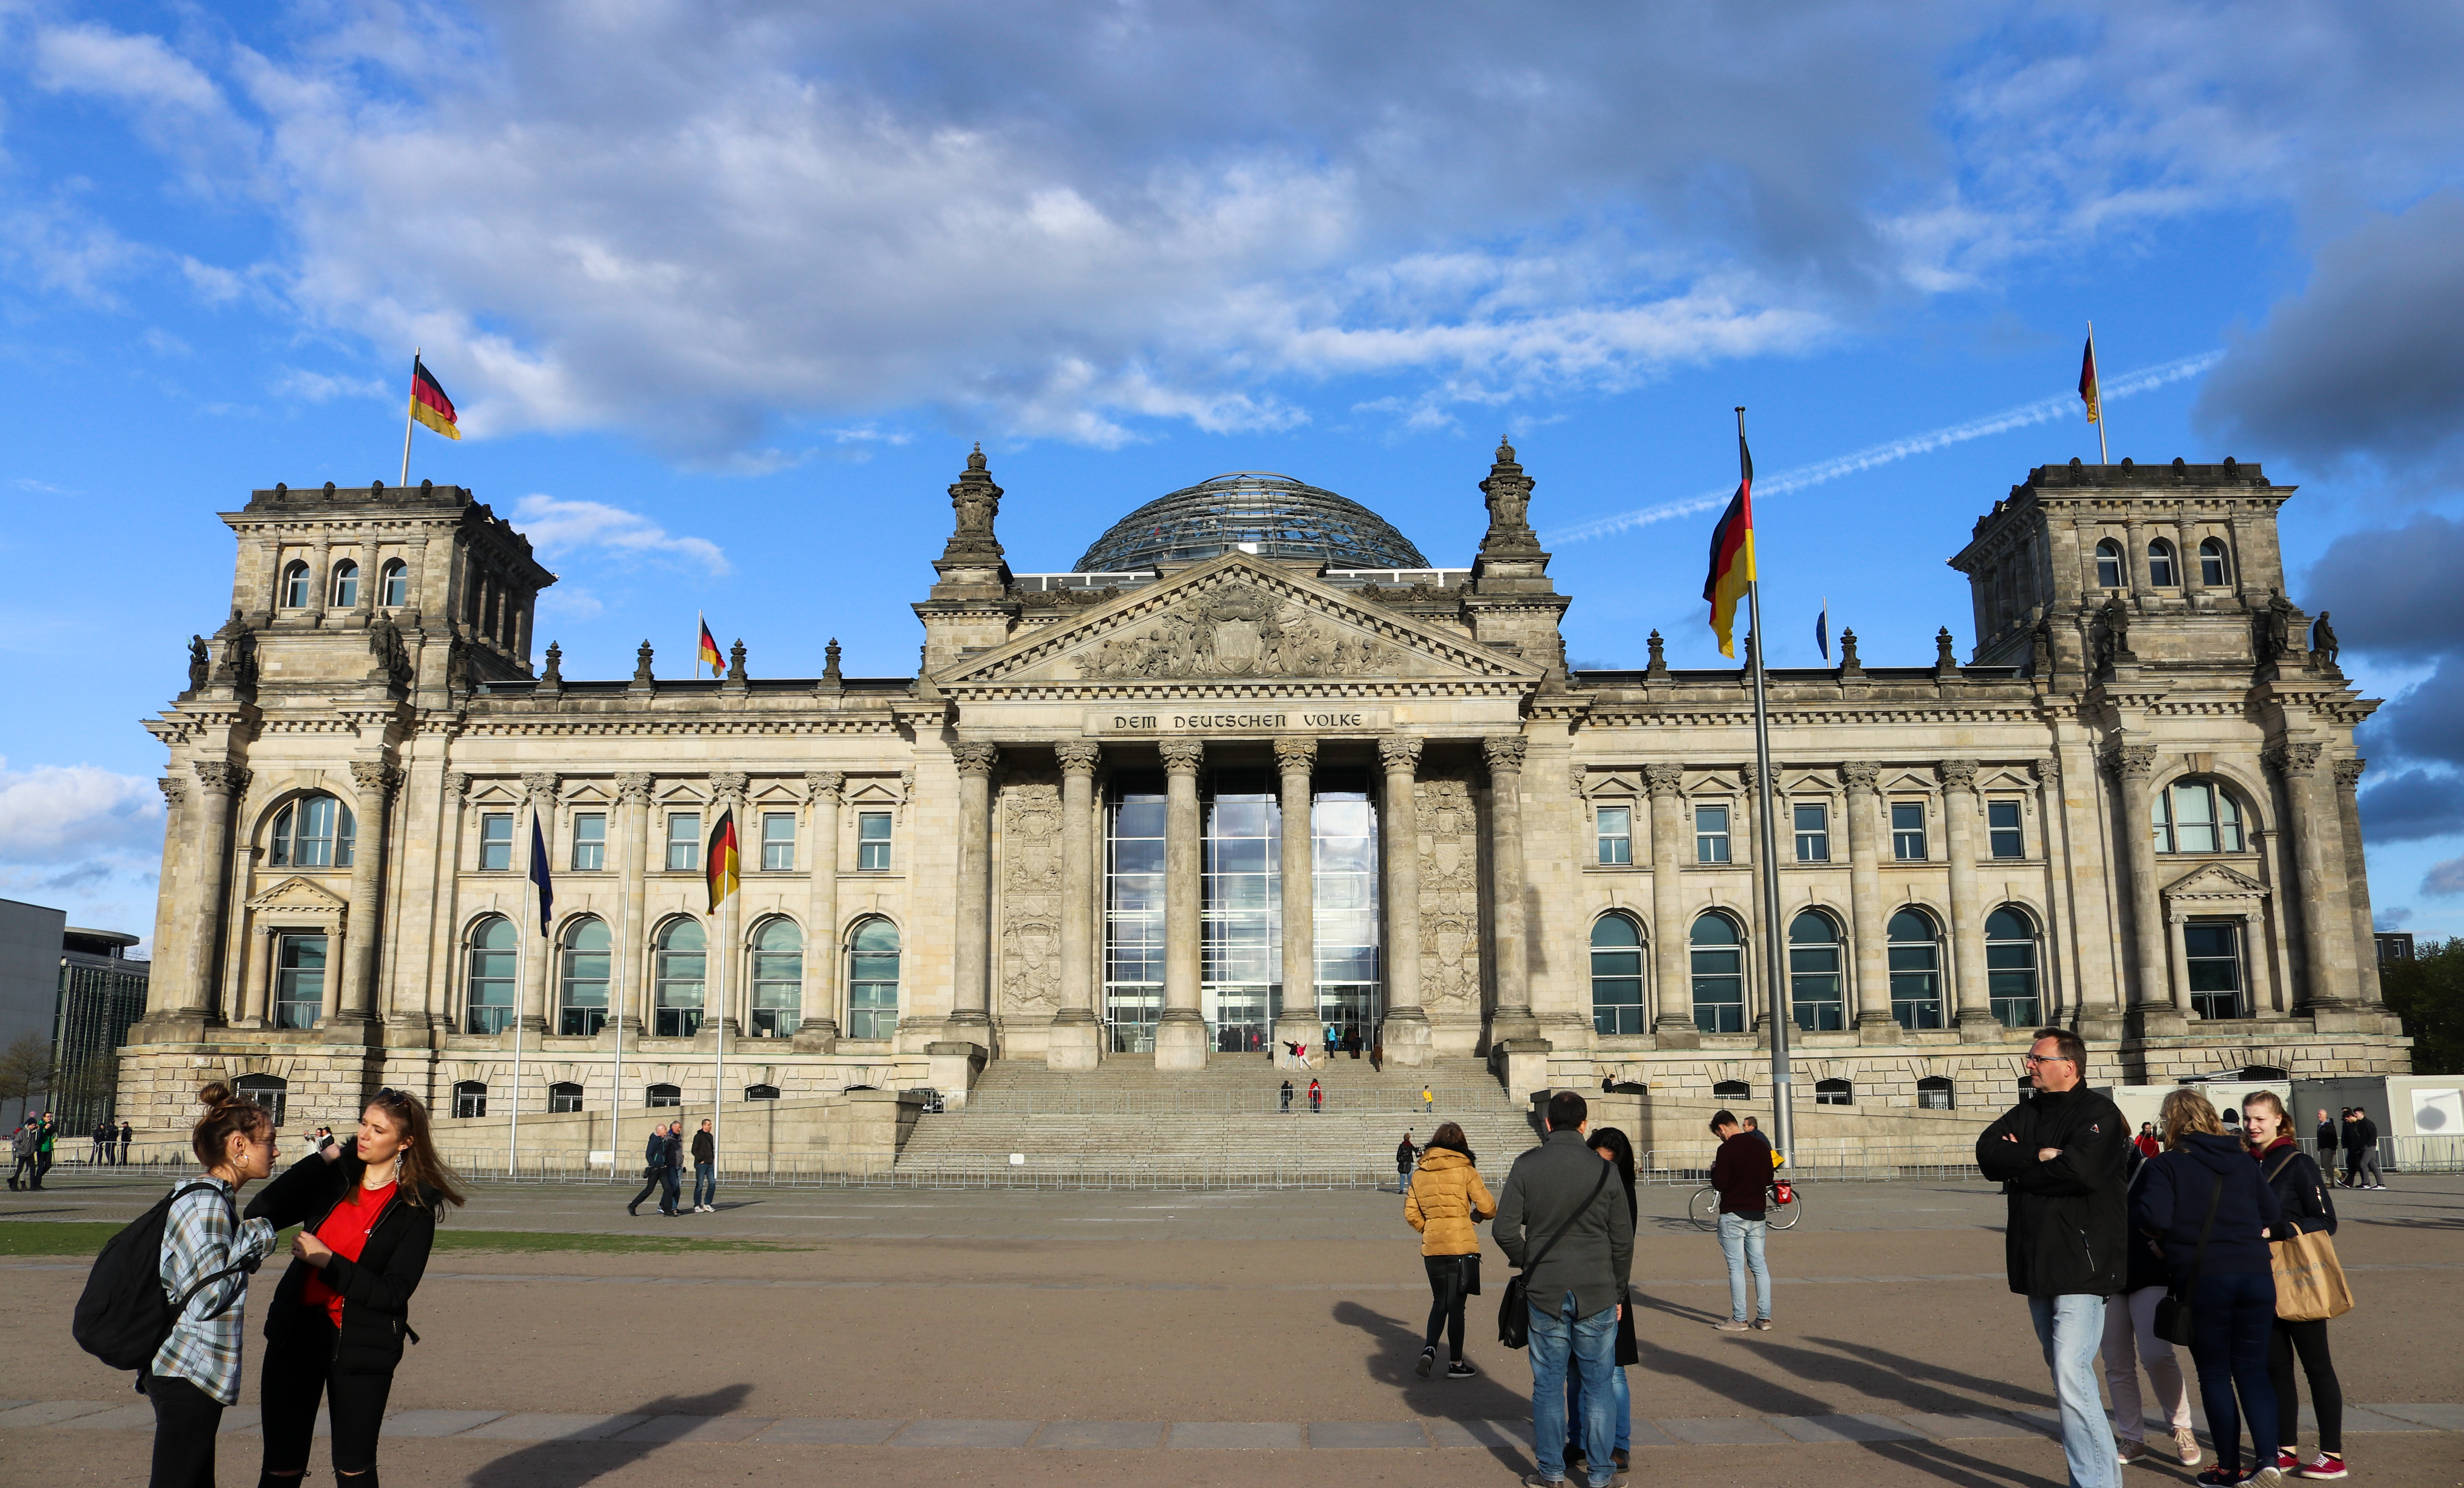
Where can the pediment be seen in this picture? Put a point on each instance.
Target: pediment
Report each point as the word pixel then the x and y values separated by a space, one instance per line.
pixel 2215 882
pixel 296 895
pixel 496 792
pixel 1614 783
pixel 872 792
pixel 1236 620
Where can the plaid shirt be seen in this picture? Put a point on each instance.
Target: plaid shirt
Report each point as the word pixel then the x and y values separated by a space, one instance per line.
pixel 197 1241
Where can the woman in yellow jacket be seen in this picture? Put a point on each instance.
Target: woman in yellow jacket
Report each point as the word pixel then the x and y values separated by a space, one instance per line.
pixel 1443 1201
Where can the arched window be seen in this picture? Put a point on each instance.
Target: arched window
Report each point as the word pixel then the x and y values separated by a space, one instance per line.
pixel 298 586
pixel 563 1098
pixel 761 1092
pixel 1916 970
pixel 270 1091
pixel 1719 976
pixel 393 584
pixel 581 989
pixel 1814 985
pixel 346 584
pixel 2011 968
pixel 2196 816
pixel 1833 1092
pixel 872 980
pixel 777 978
pixel 2212 563
pixel 1616 976
pixel 662 1095
pixel 1934 1094
pixel 2108 564
pixel 1732 1090
pixel 678 1007
pixel 469 1098
pixel 488 995
pixel 2160 564
pixel 313 833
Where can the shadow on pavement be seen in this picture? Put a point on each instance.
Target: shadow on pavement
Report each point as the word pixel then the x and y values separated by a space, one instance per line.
pixel 1899 1369
pixel 1396 1348
pixel 570 1464
pixel 1939 1462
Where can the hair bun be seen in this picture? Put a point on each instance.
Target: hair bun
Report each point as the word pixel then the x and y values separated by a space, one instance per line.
pixel 214 1095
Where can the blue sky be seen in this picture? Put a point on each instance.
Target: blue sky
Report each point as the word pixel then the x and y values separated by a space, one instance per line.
pixel 724 292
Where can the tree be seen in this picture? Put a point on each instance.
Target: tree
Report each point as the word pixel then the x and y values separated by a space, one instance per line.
pixel 2427 993
pixel 25 1071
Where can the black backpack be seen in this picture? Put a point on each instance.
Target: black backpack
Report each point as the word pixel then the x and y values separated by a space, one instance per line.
pixel 122 1315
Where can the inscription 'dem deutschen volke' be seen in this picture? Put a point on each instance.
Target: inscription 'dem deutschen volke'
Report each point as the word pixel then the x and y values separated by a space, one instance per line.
pixel 1280 720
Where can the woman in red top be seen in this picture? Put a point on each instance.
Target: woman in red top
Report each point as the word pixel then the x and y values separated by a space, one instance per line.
pixel 367 1213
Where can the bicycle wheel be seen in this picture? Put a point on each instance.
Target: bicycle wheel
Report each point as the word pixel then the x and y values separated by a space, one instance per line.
pixel 1783 1216
pixel 1704 1208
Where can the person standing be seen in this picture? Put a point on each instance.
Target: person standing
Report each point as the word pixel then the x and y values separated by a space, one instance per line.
pixel 1428 1098
pixel 21 1153
pixel 1559 1223
pixel 1610 1147
pixel 196 1372
pixel 2301 1193
pixel 1443 1200
pixel 1284 1099
pixel 127 1135
pixel 2207 1206
pixel 2349 1138
pixel 2059 1157
pixel 2130 1341
pixel 1404 1156
pixel 2365 1151
pixel 654 1165
pixel 2328 1141
pixel 46 1138
pixel 101 1137
pixel 705 1156
pixel 1741 1171
pixel 672 1179
pixel 367 1211
pixel 1317 1098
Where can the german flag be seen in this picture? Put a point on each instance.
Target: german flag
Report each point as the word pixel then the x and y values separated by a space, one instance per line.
pixel 1732 553
pixel 721 863
pixel 2087 383
pixel 428 403
pixel 709 653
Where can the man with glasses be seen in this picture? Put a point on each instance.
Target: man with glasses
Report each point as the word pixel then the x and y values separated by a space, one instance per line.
pixel 2060 1158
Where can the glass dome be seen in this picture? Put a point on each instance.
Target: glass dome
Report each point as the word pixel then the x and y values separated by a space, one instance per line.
pixel 1257 512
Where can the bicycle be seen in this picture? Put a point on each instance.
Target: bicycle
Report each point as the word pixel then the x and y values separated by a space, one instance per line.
pixel 1781 1213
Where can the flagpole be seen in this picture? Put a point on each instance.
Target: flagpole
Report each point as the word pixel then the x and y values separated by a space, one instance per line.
pixel 2103 456
pixel 407 421
pixel 538 947
pixel 620 979
pixel 1775 973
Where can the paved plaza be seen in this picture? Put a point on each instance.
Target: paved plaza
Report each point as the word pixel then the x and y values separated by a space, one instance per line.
pixel 1196 1335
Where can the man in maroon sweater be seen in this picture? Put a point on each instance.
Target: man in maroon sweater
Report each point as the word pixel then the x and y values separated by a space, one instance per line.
pixel 1741 1172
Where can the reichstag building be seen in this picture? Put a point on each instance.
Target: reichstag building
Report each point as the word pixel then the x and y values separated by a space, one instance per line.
pixel 1255 772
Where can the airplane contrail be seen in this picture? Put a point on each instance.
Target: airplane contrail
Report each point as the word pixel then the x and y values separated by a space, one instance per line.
pixel 2042 410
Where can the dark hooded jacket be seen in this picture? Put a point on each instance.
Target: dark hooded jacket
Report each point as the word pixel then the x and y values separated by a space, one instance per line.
pixel 376 1288
pixel 2171 1204
pixel 2068 1213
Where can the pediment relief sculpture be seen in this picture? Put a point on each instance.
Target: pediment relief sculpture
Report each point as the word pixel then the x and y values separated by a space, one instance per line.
pixel 297 894
pixel 2215 882
pixel 1238 629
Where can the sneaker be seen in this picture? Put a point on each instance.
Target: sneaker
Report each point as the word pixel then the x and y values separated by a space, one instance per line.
pixel 2126 1452
pixel 1534 1479
pixel 1732 1325
pixel 2218 1477
pixel 2186 1442
pixel 1428 1362
pixel 1461 1369
pixel 2288 1459
pixel 2262 1478
pixel 1762 1324
pixel 1620 1457
pixel 2322 1466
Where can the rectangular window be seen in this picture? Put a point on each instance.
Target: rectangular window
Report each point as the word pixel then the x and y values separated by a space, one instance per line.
pixel 1711 833
pixel 495 842
pixel 299 981
pixel 1812 834
pixel 2213 950
pixel 1616 835
pixel 873 841
pixel 2002 828
pixel 1908 830
pixel 777 841
pixel 684 841
pixel 589 842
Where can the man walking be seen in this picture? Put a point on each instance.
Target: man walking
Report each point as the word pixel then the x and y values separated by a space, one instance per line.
pixel 2365 1149
pixel 2328 1142
pixel 2059 1159
pixel 1565 1225
pixel 1286 1099
pixel 705 1153
pixel 672 1179
pixel 2349 1135
pixel 127 1135
pixel 1741 1171
pixel 21 1153
pixel 46 1138
pixel 1405 1155
pixel 655 1164
pixel 100 1139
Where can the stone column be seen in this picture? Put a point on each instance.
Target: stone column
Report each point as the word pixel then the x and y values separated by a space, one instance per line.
pixel 633 834
pixel 171 927
pixel 2325 915
pixel 2175 922
pixel 1866 921
pixel 2186 552
pixel 256 979
pixel 321 575
pixel 220 783
pixel 1675 1024
pixel 971 974
pixel 416 576
pixel 1973 996
pixel 2357 882
pixel 1406 1031
pixel 1513 1018
pixel 2134 558
pixel 1296 758
pixel 727 941
pixel 817 1030
pixel 539 788
pixel 1180 1033
pixel 1074 1040
pixel 377 782
pixel 2132 767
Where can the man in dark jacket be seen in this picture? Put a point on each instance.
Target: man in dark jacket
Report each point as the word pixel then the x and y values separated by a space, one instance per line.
pixel 654 1165
pixel 672 1179
pixel 1576 1288
pixel 127 1135
pixel 2060 1158
pixel 1405 1155
pixel 705 1150
pixel 2365 1151
pixel 1742 1170
pixel 2330 1140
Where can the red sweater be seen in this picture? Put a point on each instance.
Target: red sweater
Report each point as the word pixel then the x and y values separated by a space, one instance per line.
pixel 1741 1172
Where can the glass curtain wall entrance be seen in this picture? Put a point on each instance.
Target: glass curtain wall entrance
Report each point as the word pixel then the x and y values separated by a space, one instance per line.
pixel 1343 833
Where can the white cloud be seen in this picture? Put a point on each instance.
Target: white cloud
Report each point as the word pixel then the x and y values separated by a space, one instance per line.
pixel 557 525
pixel 324 387
pixel 2444 878
pixel 67 814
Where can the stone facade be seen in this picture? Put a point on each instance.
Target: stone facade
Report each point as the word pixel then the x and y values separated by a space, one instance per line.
pixel 2139 791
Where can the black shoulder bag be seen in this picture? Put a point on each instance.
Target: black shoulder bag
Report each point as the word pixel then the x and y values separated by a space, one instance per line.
pixel 1514 1308
pixel 2174 1308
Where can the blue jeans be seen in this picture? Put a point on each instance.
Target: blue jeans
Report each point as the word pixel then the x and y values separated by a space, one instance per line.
pixel 670 1183
pixel 705 1184
pixel 1589 1344
pixel 2072 1329
pixel 2231 1319
pixel 1741 1241
pixel 1621 1412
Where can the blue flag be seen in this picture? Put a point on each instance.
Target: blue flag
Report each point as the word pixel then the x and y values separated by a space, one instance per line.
pixel 539 869
pixel 1822 629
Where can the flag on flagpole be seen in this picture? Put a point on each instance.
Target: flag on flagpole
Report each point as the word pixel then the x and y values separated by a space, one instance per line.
pixel 1822 629
pixel 1732 554
pixel 539 870
pixel 2087 383
pixel 709 652
pixel 428 404
pixel 721 863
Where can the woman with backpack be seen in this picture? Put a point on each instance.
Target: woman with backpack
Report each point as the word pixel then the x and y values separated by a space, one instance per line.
pixel 196 1371
pixel 367 1213
pixel 2302 1191
pixel 1444 1200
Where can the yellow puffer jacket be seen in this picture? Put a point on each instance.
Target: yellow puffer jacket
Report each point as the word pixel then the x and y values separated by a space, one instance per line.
pixel 1446 1199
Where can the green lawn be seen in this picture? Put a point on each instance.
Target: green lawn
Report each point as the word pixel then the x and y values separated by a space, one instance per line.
pixel 75 1238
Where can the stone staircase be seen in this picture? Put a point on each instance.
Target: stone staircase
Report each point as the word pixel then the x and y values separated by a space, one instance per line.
pixel 1220 1125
